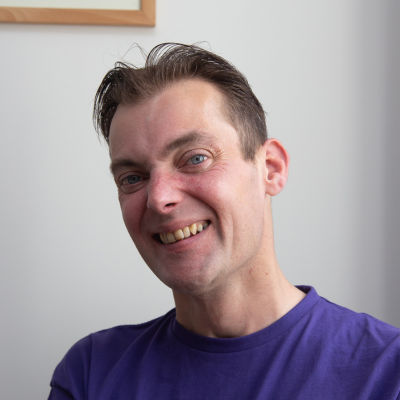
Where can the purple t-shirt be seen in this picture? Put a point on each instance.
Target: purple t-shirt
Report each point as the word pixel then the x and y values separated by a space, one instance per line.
pixel 318 350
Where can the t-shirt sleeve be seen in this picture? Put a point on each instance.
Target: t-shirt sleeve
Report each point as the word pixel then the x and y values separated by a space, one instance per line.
pixel 57 393
pixel 71 376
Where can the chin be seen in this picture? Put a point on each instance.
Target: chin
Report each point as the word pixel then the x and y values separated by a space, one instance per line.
pixel 190 282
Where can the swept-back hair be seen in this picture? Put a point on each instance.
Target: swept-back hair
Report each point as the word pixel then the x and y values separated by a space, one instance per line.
pixel 168 63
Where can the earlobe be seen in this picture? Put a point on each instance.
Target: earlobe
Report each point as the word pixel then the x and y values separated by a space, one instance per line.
pixel 276 166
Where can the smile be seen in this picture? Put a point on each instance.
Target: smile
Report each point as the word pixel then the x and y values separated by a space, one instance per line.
pixel 184 233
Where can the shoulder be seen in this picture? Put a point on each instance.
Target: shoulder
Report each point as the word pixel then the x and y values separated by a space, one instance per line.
pixel 357 337
pixel 101 350
pixel 343 331
pixel 362 324
pixel 119 337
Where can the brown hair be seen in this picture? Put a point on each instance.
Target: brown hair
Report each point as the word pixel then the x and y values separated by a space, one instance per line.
pixel 172 62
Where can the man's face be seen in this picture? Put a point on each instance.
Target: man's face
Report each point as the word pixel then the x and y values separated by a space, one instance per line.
pixel 177 162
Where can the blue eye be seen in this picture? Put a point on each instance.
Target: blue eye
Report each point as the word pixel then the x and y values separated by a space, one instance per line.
pixel 131 180
pixel 198 159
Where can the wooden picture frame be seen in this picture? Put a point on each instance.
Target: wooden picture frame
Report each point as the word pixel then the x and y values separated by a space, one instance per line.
pixel 146 16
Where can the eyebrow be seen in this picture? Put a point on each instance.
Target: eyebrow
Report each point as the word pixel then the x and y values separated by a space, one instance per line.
pixel 192 137
pixel 121 163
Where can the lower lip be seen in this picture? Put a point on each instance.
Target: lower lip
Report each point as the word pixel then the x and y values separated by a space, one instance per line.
pixel 181 244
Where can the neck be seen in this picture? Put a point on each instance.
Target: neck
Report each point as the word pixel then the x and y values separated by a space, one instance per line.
pixel 243 306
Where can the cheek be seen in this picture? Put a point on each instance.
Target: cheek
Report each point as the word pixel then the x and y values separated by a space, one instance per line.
pixel 132 208
pixel 217 192
pixel 224 187
pixel 209 186
pixel 208 192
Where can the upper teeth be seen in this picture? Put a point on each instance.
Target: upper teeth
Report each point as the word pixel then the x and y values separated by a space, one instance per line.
pixel 179 234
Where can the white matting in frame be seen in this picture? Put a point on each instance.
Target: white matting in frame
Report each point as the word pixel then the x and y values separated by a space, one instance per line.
pixel 90 12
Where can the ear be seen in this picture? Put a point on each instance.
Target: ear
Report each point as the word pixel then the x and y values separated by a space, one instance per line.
pixel 275 163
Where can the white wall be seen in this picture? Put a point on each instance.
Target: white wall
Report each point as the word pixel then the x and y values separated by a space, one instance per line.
pixel 327 73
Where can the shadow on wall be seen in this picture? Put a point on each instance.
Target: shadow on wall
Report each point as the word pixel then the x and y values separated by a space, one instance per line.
pixel 378 175
pixel 392 168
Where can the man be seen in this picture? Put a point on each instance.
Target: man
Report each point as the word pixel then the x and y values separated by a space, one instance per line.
pixel 195 173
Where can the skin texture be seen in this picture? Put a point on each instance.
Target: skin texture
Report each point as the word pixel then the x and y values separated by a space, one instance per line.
pixel 226 280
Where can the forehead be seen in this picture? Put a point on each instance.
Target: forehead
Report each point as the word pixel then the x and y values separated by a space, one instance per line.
pixel 182 108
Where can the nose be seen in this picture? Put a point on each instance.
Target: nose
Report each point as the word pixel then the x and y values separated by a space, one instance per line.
pixel 163 194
